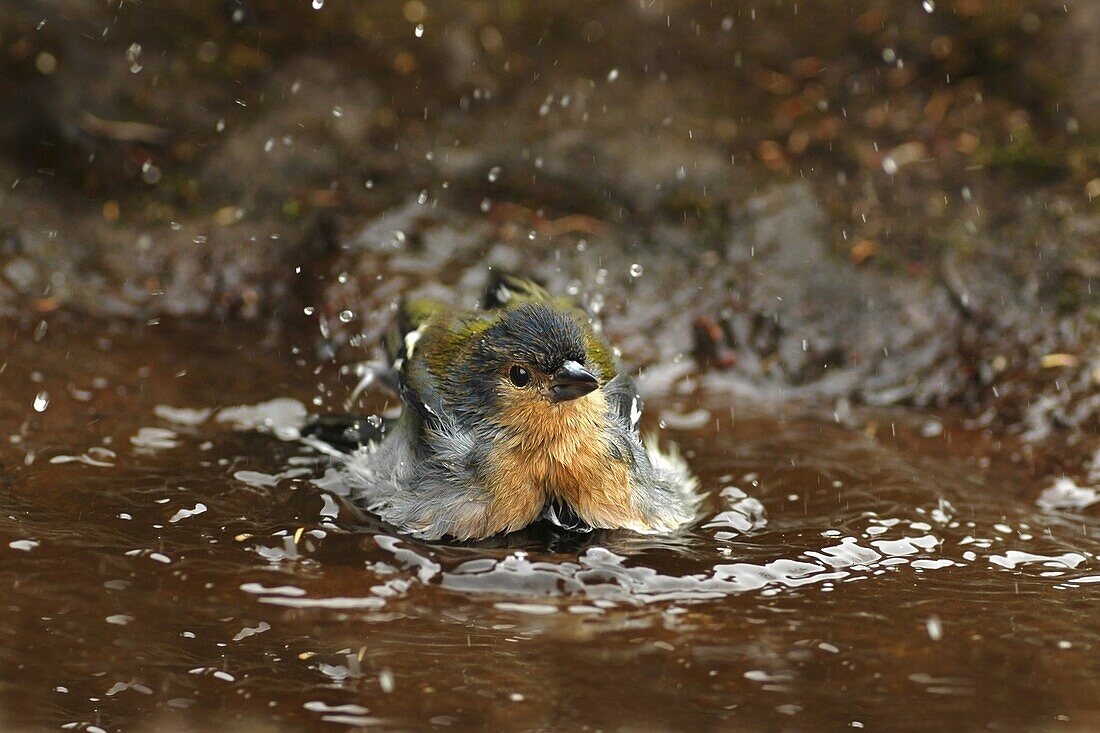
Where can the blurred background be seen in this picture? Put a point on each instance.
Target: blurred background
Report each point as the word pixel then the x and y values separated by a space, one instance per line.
pixel 887 201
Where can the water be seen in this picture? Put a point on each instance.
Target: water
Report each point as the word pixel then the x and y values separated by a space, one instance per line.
pixel 172 561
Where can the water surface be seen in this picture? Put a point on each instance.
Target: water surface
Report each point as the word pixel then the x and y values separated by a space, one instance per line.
pixel 169 566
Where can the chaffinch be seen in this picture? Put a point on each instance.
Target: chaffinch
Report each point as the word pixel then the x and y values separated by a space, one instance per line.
pixel 514 412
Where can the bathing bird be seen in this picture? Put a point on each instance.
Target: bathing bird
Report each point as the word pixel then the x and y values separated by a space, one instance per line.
pixel 514 412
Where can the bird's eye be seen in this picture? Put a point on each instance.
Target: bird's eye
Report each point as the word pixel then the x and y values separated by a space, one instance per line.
pixel 519 376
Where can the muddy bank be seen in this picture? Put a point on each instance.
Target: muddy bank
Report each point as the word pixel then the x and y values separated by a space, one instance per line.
pixel 880 204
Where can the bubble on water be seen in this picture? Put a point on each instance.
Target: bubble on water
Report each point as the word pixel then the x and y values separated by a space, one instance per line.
pixel 928 6
pixel 889 165
pixel 41 401
pixel 309 310
pixel 346 316
pixel 486 204
pixel 494 174
pixel 318 4
pixel 419 31
pixel 636 270
pixel 613 75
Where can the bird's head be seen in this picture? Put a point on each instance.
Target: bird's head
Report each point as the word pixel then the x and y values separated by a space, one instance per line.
pixel 531 366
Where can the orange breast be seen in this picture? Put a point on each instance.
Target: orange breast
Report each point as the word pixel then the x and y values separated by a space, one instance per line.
pixel 560 451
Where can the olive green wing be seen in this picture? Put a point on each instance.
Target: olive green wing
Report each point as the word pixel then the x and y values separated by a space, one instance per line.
pixel 412 316
pixel 415 383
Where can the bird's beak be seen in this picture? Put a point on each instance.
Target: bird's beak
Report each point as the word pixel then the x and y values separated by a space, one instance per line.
pixel 572 381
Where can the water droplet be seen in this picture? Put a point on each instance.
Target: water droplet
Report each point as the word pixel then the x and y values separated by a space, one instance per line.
pixel 318 4
pixel 220 126
pixel 41 401
pixel 494 174
pixel 308 310
pixel 40 330
pixel 486 204
pixel 374 421
pixel 346 316
pixel 889 165
pixel 337 111
pixel 133 53
pixel 935 628
pixel 636 270
pixel 928 6
pixel 419 31
pixel 149 172
pixel 613 75
pixel 422 198
pixel 269 145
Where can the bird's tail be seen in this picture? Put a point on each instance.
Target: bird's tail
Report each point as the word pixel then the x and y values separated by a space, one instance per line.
pixel 506 288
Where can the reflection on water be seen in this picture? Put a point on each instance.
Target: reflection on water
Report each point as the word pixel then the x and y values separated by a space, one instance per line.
pixel 174 556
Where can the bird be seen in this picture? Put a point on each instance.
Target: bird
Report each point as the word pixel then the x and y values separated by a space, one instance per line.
pixel 514 412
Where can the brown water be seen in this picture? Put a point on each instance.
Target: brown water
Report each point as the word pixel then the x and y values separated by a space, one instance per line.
pixel 176 570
